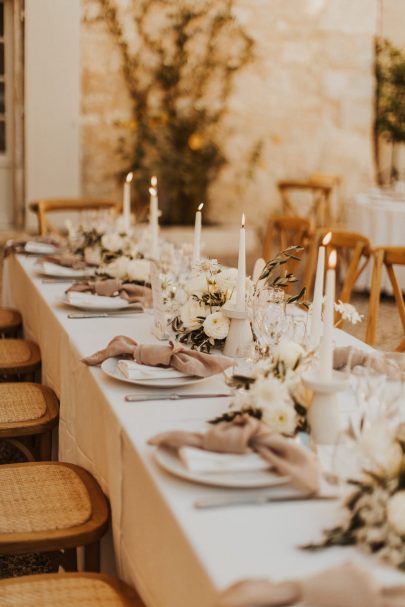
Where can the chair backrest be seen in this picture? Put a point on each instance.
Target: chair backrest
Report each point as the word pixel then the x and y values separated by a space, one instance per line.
pixel 42 207
pixel 388 257
pixel 353 250
pixel 320 191
pixel 284 231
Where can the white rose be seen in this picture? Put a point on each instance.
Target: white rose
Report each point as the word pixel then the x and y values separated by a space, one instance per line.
pixel 92 255
pixel 379 445
pixel 280 418
pixel 112 242
pixel 270 391
pixel 216 325
pixel 288 352
pixel 396 512
pixel 226 279
pixel 189 312
pixel 139 269
pixel 117 268
pixel 197 284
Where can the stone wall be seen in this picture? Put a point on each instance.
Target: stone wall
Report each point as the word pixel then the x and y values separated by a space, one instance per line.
pixel 308 97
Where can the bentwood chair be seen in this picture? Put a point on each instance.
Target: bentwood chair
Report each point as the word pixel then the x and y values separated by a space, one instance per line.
pixel 10 322
pixel 68 590
pixel 62 205
pixel 319 190
pixel 387 257
pixel 19 359
pixel 353 254
pixel 28 413
pixel 52 507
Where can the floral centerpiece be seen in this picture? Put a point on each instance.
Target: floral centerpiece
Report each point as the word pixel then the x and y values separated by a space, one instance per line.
pixel 273 391
pixel 200 321
pixel 375 511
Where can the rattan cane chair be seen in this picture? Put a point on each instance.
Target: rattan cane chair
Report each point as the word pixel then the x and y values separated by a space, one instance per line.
pixel 28 412
pixel 52 507
pixel 42 207
pixel 19 359
pixel 10 322
pixel 67 590
pixel 388 257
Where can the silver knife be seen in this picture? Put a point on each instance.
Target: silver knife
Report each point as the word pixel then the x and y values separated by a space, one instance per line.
pixel 246 500
pixel 126 314
pixel 139 398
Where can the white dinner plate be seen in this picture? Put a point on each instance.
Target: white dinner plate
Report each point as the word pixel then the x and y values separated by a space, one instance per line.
pixel 98 303
pixel 39 248
pixel 110 368
pixel 169 461
pixel 53 270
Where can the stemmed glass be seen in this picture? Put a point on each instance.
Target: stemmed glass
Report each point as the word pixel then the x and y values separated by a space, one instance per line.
pixel 267 311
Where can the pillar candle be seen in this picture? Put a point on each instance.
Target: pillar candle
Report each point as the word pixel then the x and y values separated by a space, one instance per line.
pixel 316 315
pixel 326 349
pixel 241 285
pixel 197 235
pixel 126 203
pixel 154 219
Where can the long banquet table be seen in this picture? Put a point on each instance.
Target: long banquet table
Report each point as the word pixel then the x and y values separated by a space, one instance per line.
pixel 176 555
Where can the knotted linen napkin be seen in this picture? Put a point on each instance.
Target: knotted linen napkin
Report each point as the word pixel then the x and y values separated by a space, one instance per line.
pixel 391 364
pixel 189 362
pixel 114 286
pixel 18 246
pixel 245 434
pixel 346 585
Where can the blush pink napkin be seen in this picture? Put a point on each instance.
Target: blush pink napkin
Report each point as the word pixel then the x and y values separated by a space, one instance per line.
pixel 18 246
pixel 173 355
pixel 115 287
pixel 346 585
pixel 245 434
pixel 391 364
pixel 67 261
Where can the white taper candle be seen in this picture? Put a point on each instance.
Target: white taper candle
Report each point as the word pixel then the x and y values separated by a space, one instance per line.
pixel 316 314
pixel 326 349
pixel 241 286
pixel 154 219
pixel 197 235
pixel 126 203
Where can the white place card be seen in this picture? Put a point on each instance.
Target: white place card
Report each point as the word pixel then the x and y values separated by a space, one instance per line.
pixel 159 328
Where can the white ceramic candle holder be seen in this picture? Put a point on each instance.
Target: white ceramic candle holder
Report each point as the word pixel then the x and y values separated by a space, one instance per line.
pixel 240 337
pixel 324 414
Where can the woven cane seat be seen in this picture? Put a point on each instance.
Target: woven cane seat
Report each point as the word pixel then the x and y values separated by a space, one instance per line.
pixel 21 402
pixel 41 497
pixel 10 320
pixel 67 590
pixel 18 356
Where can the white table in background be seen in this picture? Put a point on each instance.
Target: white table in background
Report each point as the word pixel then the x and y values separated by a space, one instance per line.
pixel 381 217
pixel 176 555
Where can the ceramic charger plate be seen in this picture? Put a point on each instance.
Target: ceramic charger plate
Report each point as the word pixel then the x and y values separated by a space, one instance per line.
pixel 252 479
pixel 110 368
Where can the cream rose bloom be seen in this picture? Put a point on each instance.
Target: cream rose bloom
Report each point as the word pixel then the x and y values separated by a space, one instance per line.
pixel 396 512
pixel 197 284
pixel 280 418
pixel 112 242
pixel 216 325
pixel 117 268
pixel 189 313
pixel 288 352
pixel 378 444
pixel 92 255
pixel 138 269
pixel 226 279
pixel 270 391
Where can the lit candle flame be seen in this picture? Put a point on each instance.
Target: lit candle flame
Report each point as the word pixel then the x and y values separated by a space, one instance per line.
pixel 153 191
pixel 200 206
pixel 326 239
pixel 332 259
pixel 129 177
pixel 153 181
pixel 243 220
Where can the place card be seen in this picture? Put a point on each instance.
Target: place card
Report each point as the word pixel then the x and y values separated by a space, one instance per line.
pixel 159 328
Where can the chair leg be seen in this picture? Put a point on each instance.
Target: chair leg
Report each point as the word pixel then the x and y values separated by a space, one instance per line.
pixel 45 446
pixel 92 557
pixel 401 347
pixel 374 301
pixel 68 559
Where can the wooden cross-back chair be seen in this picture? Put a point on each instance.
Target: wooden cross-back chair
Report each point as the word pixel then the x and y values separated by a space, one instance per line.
pixel 62 205
pixel 319 188
pixel 351 247
pixel 387 257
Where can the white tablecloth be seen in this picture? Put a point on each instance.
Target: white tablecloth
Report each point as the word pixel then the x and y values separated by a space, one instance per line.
pixel 381 218
pixel 176 555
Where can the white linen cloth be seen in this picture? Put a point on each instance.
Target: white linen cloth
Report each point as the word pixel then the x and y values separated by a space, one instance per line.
pixel 381 218
pixel 89 301
pixel 177 556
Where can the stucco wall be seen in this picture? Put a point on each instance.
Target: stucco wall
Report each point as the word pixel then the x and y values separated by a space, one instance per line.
pixel 309 96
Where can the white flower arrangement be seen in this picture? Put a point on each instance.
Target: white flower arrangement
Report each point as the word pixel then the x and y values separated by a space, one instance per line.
pixel 348 312
pixel 375 511
pixel 273 390
pixel 199 321
pixel 127 269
